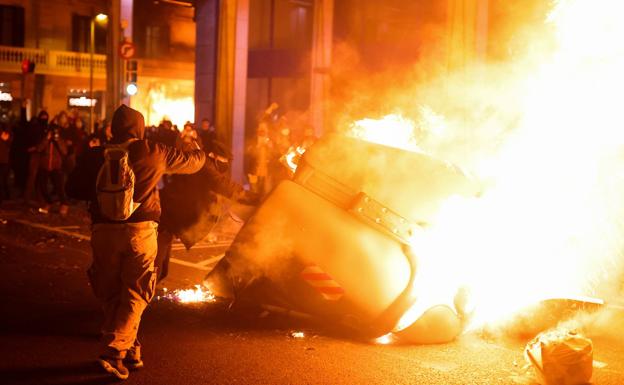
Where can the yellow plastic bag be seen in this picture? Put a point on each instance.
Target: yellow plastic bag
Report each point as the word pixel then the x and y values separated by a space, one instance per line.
pixel 561 357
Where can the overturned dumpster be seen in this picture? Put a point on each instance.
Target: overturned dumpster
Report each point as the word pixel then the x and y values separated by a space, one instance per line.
pixel 334 241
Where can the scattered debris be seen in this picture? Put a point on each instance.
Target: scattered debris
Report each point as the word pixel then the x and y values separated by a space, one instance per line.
pixel 561 357
pixel 297 334
pixel 599 364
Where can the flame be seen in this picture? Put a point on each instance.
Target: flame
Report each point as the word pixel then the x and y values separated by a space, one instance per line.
pixel 179 111
pixel 392 130
pixel 386 339
pixel 549 223
pixel 165 100
pixel 292 157
pixel 190 295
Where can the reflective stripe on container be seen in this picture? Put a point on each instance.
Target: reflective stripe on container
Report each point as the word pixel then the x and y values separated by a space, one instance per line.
pixel 322 282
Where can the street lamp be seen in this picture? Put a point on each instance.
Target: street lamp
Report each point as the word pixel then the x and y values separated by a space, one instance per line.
pixel 132 89
pixel 100 18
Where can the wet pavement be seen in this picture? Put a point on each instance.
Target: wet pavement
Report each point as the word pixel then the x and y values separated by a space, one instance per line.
pixel 49 326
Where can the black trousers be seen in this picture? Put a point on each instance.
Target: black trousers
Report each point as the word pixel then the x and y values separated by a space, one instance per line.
pixel 165 242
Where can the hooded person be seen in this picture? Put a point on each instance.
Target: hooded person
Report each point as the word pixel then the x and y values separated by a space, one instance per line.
pixel 123 274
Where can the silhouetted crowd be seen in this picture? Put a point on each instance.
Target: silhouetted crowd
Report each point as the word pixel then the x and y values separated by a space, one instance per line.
pixel 37 156
pixel 276 136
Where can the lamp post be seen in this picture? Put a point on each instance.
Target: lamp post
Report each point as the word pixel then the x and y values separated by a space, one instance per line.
pixel 100 18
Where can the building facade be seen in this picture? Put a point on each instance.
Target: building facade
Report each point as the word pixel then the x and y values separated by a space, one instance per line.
pixel 224 60
pixel 70 70
pixel 55 37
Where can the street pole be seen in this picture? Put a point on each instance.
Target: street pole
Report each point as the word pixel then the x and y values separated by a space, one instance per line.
pixel 113 91
pixel 91 49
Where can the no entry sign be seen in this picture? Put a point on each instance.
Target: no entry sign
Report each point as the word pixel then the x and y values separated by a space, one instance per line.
pixel 126 50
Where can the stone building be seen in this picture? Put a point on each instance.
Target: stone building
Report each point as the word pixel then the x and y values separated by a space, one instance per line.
pixel 56 37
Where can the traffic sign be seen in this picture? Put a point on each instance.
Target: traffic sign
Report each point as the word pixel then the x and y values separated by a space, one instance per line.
pixel 126 50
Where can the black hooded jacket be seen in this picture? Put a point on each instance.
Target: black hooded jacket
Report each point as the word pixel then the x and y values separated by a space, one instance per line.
pixel 149 162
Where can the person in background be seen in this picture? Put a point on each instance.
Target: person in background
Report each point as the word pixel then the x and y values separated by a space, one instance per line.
pixel 188 136
pixel 35 133
pixel 52 150
pixel 283 143
pixel 260 159
pixel 207 136
pixel 75 138
pixel 6 138
pixel 91 141
pixel 19 155
pixel 60 123
pixel 105 134
pixel 123 274
pixel 167 133
pixel 72 135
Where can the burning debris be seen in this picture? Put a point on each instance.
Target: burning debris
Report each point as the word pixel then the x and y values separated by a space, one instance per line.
pixel 386 339
pixel 196 295
pixel 561 357
pixel 291 159
pixel 297 334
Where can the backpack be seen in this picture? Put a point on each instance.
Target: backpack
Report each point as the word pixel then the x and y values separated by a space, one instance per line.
pixel 115 183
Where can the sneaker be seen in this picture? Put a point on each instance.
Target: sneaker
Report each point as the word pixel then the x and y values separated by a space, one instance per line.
pixel 44 210
pixel 114 366
pixel 133 359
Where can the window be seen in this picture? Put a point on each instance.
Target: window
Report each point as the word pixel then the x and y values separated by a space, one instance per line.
pixel 81 35
pixel 11 26
pixel 156 41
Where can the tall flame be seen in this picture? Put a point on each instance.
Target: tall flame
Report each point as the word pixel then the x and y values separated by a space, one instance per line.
pixel 549 223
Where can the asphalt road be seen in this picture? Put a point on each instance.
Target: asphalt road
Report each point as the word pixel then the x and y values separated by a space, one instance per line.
pixel 49 323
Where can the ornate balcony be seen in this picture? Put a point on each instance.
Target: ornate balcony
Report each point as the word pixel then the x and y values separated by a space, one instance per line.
pixel 76 64
pixel 48 62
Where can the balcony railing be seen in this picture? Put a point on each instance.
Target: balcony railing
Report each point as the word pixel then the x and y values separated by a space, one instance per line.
pixel 47 62
pixel 77 64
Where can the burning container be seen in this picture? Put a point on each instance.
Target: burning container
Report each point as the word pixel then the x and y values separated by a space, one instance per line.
pixel 333 241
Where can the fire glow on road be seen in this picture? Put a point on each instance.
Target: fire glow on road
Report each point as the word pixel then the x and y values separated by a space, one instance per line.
pixel 198 294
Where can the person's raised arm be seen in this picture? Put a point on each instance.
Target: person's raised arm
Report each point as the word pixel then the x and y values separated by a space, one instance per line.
pixel 182 162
